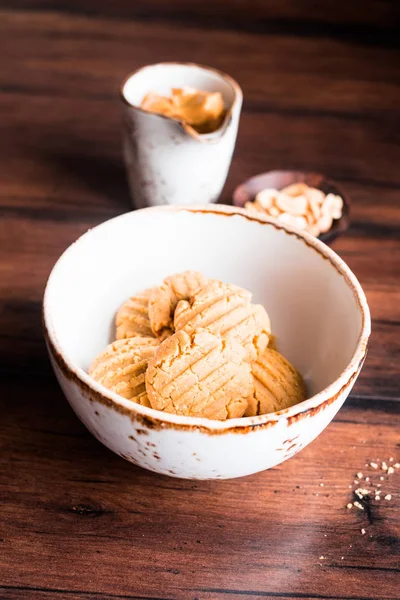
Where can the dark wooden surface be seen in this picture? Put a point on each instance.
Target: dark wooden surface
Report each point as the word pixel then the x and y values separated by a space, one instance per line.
pixel 321 87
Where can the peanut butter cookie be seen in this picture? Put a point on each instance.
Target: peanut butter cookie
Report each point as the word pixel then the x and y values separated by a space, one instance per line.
pixel 121 367
pixel 277 384
pixel 163 299
pixel 133 317
pixel 199 375
pixel 225 310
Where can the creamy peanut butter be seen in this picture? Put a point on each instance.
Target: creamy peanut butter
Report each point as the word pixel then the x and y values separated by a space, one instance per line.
pixel 204 111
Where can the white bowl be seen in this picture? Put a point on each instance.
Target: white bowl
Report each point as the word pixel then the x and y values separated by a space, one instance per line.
pixel 318 313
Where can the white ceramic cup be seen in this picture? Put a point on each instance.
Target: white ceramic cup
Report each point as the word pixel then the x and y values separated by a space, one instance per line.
pixel 167 161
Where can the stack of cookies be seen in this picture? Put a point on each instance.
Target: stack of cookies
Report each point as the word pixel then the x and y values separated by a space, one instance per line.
pixel 197 347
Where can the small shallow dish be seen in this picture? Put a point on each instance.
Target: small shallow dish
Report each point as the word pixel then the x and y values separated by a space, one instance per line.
pixel 247 191
pixel 318 313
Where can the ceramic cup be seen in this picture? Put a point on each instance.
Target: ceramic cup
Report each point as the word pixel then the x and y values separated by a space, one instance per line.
pixel 167 161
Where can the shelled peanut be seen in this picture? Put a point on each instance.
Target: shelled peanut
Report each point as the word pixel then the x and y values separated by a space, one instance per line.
pixel 301 206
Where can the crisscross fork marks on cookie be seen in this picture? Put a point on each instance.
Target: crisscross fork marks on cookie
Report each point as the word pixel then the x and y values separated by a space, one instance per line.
pixel 164 298
pixel 226 310
pixel 277 384
pixel 209 312
pixel 199 374
pixel 122 366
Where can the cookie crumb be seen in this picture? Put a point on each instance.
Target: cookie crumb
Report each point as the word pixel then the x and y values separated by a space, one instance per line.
pixel 342 558
pixel 356 481
pixel 397 465
pixel 377 497
pixel 373 465
pixel 361 493
pixel 363 531
pixel 388 497
pixel 321 484
pixel 360 475
pixel 382 478
pixel 390 470
pixel 349 505
pixel 358 505
pixel 367 479
pixel 384 466
pixel 322 558
pixel 391 459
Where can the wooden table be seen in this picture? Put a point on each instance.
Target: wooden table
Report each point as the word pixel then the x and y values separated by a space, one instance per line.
pixel 321 89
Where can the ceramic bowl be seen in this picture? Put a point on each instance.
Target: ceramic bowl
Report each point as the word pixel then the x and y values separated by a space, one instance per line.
pixel 247 191
pixel 318 313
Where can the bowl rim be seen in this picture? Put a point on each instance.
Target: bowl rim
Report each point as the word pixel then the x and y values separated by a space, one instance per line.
pixel 242 424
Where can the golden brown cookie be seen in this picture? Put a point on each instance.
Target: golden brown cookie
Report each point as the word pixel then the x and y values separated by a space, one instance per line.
pixel 121 367
pixel 277 384
pixel 133 317
pixel 143 399
pixel 225 310
pixel 199 375
pixel 163 299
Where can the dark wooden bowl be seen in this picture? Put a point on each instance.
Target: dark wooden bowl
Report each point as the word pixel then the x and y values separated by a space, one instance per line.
pixel 247 191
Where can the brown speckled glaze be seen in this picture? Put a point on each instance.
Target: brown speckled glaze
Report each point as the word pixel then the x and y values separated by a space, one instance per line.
pixel 147 430
pixel 267 420
pixel 165 157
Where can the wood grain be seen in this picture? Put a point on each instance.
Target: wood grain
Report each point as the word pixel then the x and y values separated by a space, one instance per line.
pixel 99 524
pixel 321 87
pixel 306 16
